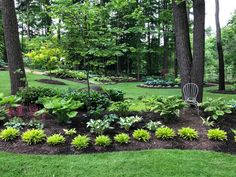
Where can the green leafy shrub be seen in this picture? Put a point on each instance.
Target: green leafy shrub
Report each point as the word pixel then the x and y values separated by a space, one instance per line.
pixel 127 122
pixel 188 133
pixel 55 139
pixel 217 134
pixel 36 124
pixel 10 101
pixel 216 107
pixel 33 136
pixel 141 135
pixel 3 114
pixel 9 134
pixel 62 109
pixel 115 95
pixel 70 132
pixel 234 131
pixel 165 133
pixel 169 107
pixel 96 99
pixel 122 138
pixel 103 140
pixel 31 95
pixel 153 126
pixel 122 107
pixel 99 126
pixel 80 142
pixel 15 122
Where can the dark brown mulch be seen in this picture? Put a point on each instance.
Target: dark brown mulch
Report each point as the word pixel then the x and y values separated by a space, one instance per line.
pixel 49 81
pixel 205 85
pixel 188 119
pixel 223 91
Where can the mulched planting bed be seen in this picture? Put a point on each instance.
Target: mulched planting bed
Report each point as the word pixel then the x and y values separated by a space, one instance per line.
pixel 170 87
pixel 53 82
pixel 188 119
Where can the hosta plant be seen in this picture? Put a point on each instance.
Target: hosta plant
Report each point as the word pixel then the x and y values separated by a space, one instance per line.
pixel 153 126
pixel 9 134
pixel 55 139
pixel 16 123
pixel 63 110
pixel 122 107
pixel 122 138
pixel 36 124
pixel 141 135
pixel 127 122
pixel 188 133
pixel 99 126
pixel 165 133
pixel 169 107
pixel 70 132
pixel 103 140
pixel 3 114
pixel 111 118
pixel 10 101
pixel 80 142
pixel 216 107
pixel 217 134
pixel 33 136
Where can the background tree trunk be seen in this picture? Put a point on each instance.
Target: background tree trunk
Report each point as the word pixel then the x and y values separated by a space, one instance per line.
pixel 220 49
pixel 197 70
pixel 15 60
pixel 183 48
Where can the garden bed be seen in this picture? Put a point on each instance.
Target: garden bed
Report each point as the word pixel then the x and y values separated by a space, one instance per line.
pixel 169 87
pixel 188 119
pixel 49 81
pixel 223 91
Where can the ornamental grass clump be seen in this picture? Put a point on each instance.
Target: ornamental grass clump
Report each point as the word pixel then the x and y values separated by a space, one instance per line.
pixel 188 133
pixel 55 139
pixel 165 133
pixel 217 134
pixel 80 142
pixel 141 135
pixel 9 134
pixel 33 136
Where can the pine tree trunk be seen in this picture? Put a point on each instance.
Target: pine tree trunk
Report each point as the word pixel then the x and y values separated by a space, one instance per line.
pixel 182 40
pixel 15 60
pixel 197 70
pixel 220 49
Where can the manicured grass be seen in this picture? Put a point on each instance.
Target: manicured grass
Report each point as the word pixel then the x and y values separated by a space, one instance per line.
pixel 152 163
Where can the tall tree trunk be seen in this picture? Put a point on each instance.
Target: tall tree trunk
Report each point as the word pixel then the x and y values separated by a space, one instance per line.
pixel 220 49
pixel 15 60
pixel 197 74
pixel 182 40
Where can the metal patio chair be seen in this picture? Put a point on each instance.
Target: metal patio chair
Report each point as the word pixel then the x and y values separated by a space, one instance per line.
pixel 190 91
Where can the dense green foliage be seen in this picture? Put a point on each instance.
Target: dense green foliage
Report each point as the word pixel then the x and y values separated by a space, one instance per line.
pixel 217 134
pixel 9 134
pixel 55 139
pixel 141 135
pixel 122 138
pixel 188 133
pixel 103 140
pixel 165 133
pixel 80 142
pixel 33 136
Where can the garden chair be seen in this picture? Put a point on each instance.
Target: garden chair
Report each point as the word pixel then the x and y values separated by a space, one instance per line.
pixel 190 91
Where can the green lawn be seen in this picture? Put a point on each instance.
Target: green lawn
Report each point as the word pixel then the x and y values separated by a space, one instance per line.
pixel 129 88
pixel 152 163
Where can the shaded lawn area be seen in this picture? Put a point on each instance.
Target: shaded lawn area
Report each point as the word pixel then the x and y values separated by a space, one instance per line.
pixel 151 163
pixel 131 89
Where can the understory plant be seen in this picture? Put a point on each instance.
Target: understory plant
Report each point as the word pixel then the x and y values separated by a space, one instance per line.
pixel 33 136
pixel 141 135
pixel 234 131
pixel 9 101
pixel 127 122
pixel 63 110
pixel 99 126
pixel 3 114
pixel 111 118
pixel 115 95
pixel 216 108
pixel 55 139
pixel 165 133
pixel 122 138
pixel 80 142
pixel 122 107
pixel 36 124
pixel 217 134
pixel 9 134
pixel 15 122
pixel 103 140
pixel 70 132
pixel 188 133
pixel 169 107
pixel 153 126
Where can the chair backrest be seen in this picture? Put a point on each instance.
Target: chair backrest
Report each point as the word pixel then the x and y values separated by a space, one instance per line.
pixel 190 91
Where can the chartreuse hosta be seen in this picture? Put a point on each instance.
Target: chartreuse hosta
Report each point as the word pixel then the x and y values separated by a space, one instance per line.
pixel 62 109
